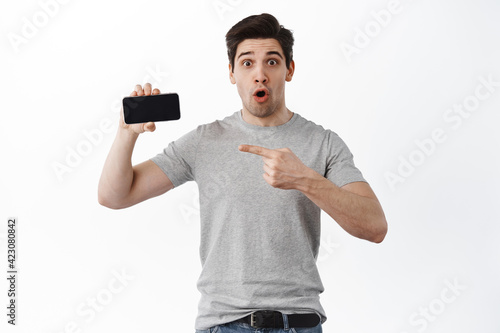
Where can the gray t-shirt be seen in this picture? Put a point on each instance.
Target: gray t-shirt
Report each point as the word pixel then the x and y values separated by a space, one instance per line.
pixel 259 244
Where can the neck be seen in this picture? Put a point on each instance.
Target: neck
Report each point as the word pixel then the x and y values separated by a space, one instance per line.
pixel 277 118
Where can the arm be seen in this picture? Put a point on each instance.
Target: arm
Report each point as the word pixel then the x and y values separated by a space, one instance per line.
pixel 121 185
pixel 354 206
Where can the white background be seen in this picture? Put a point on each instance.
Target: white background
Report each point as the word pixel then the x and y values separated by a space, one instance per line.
pixel 67 78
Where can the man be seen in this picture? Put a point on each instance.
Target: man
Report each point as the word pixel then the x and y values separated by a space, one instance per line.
pixel 264 173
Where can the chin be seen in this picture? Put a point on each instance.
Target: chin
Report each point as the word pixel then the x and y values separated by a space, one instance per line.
pixel 262 111
pixel 261 114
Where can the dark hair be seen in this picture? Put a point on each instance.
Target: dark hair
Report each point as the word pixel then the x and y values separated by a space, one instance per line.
pixel 259 26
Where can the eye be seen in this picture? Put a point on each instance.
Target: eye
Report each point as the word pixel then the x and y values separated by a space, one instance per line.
pixel 272 62
pixel 246 63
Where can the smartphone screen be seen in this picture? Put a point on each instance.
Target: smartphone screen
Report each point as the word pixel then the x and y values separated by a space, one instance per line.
pixel 142 109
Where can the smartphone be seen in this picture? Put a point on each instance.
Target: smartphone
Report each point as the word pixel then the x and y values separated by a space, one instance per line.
pixel 142 109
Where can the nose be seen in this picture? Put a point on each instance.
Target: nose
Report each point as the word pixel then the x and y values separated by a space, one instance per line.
pixel 260 75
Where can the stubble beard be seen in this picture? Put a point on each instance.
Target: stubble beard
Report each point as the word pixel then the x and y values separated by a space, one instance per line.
pixel 262 110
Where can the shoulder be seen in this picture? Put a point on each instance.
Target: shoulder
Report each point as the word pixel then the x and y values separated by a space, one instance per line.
pixel 312 128
pixel 218 126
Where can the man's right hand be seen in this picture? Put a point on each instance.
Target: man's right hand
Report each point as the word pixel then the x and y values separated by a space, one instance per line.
pixel 143 127
pixel 121 184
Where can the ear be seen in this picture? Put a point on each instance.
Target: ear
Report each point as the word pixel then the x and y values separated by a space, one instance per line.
pixel 231 75
pixel 290 71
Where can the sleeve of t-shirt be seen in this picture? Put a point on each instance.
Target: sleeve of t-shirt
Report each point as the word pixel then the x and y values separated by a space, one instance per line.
pixel 177 160
pixel 340 168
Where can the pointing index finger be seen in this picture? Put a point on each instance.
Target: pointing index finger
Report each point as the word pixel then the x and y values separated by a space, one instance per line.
pixel 257 150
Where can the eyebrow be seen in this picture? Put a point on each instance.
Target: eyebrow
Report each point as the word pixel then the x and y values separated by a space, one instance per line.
pixel 268 53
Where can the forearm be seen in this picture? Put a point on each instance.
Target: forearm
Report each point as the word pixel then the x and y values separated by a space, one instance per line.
pixel 357 210
pixel 117 174
pixel 360 216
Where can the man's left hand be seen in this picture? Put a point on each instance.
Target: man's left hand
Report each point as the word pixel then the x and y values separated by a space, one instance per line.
pixel 283 169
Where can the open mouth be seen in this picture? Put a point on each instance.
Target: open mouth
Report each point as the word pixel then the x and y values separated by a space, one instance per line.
pixel 261 95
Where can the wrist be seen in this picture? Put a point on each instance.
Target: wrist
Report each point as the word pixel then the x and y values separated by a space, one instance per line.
pixel 127 134
pixel 311 182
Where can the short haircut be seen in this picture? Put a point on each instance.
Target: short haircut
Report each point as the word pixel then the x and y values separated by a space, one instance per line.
pixel 257 27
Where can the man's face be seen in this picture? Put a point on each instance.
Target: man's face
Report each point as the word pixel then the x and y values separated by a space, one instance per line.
pixel 260 73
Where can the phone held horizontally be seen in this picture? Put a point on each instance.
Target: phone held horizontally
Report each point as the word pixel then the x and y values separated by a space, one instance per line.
pixel 142 109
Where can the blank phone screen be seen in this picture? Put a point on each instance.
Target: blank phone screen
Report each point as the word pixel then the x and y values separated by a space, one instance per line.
pixel 142 109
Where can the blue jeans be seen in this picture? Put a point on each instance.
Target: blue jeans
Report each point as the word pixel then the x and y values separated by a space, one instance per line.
pixel 245 328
